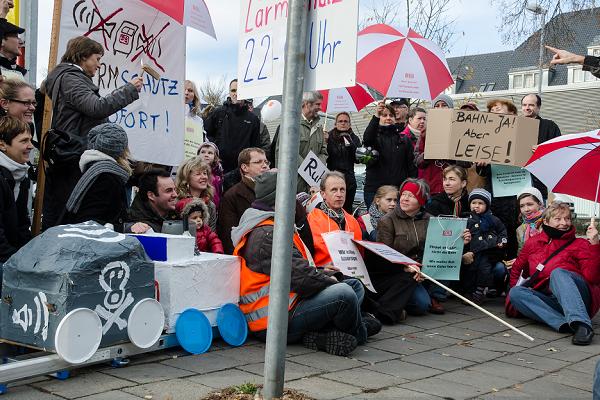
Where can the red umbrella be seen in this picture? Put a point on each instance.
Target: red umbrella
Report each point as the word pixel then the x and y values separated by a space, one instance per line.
pixel 192 13
pixel 350 99
pixel 569 164
pixel 401 63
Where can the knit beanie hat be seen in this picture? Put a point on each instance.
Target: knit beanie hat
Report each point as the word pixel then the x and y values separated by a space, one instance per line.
pixel 109 139
pixel 209 144
pixel 481 194
pixel 189 205
pixel 416 191
pixel 533 192
pixel 265 187
pixel 445 98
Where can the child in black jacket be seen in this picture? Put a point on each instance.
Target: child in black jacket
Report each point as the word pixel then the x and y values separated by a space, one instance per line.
pixel 486 247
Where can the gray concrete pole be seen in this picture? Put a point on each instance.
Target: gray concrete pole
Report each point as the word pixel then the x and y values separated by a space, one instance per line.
pixel 285 205
pixel 29 22
pixel 543 30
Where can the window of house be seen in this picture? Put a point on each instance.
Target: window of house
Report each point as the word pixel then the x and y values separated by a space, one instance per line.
pixel 596 52
pixel 482 87
pixel 490 86
pixel 517 81
pixel 582 76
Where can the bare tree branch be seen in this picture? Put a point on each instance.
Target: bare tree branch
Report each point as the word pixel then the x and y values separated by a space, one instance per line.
pixel 213 92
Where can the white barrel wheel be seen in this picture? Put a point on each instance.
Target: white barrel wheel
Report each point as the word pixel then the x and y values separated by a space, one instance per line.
pixel 78 336
pixel 146 323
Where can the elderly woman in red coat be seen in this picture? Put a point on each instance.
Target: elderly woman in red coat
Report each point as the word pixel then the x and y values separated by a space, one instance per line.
pixel 563 290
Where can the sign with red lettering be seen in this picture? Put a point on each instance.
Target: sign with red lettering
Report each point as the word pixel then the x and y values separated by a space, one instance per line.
pixel 480 137
pixel 330 46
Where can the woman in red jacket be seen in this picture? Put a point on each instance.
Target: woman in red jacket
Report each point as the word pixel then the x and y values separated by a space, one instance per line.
pixel 565 293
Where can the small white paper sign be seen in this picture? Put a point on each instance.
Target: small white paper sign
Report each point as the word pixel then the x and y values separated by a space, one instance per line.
pixel 312 169
pixel 346 257
pixel 386 252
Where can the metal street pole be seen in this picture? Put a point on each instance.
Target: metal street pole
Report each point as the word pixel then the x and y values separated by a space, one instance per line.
pixel 285 204
pixel 543 16
pixel 29 21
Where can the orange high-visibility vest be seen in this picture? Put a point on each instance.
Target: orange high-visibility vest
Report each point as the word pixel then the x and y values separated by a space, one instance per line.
pixel 254 286
pixel 320 223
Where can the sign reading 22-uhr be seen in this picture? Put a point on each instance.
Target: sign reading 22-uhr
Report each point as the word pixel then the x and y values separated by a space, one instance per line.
pixel 330 46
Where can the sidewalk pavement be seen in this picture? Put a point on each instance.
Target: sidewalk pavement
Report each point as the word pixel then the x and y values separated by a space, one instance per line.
pixel 459 355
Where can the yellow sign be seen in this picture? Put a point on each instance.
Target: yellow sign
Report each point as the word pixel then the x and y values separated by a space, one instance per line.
pixel 13 14
pixel 193 136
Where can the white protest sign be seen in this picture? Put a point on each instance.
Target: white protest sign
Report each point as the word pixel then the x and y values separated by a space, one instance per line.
pixel 312 169
pixel 330 46
pixel 346 257
pixel 194 136
pixel 132 32
pixel 386 252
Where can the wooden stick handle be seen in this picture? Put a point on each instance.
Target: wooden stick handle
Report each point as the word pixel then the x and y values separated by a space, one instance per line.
pixel 483 310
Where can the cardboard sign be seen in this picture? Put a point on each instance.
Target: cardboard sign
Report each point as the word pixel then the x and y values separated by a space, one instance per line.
pixel 345 256
pixel 132 32
pixel 508 180
pixel 386 252
pixel 443 248
pixel 194 136
pixel 480 137
pixel 312 169
pixel 330 46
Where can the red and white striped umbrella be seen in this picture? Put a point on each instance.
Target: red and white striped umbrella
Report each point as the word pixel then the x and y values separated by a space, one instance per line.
pixel 401 63
pixel 569 164
pixel 350 99
pixel 192 13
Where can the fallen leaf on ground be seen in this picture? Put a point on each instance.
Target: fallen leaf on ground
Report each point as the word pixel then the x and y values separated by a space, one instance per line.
pixel 551 349
pixel 506 335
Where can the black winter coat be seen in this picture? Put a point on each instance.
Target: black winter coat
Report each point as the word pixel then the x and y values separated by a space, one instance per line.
pixel 105 202
pixel 341 155
pixel 232 128
pixel 14 218
pixel 396 158
pixel 79 105
pixel 441 204
pixel 487 241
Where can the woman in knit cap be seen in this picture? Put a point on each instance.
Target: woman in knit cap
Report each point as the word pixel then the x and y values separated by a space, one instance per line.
pixel 100 193
pixel 405 230
pixel 15 146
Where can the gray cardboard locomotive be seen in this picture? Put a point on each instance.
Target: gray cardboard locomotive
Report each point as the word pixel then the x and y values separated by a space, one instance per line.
pixel 71 267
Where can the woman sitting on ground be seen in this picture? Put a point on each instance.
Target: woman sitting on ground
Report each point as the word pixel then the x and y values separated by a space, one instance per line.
pixel 405 230
pixel 565 294
pixel 194 179
pixel 100 193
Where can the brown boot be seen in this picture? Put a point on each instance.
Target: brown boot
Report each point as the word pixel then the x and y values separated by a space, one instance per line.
pixel 436 307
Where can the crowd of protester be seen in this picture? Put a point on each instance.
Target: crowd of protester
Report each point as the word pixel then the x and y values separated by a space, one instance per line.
pixel 227 193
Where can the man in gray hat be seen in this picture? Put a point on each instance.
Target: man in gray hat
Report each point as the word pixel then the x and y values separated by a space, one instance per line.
pixel 324 308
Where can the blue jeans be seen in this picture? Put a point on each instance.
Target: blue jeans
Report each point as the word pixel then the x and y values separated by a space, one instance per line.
pixel 499 273
pixel 419 302
pixel 569 302
pixel 337 306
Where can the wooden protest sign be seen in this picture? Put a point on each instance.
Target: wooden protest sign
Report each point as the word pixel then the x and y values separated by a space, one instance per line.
pixel 480 137
pixel 346 257
pixel 312 169
pixel 508 180
pixel 386 252
pixel 443 247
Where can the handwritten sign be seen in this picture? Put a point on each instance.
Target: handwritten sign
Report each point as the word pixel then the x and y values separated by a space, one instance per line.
pixel 508 180
pixel 345 256
pixel 330 46
pixel 194 136
pixel 312 169
pixel 132 32
pixel 480 137
pixel 444 247
pixel 386 252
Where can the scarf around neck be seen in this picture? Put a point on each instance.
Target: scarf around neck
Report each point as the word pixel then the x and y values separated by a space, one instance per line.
pixel 337 216
pixel 18 171
pixel 532 225
pixel 375 214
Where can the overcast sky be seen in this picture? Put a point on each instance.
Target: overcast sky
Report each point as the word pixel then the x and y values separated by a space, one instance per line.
pixel 476 26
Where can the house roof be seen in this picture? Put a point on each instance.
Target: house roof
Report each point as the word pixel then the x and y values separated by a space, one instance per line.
pixel 481 69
